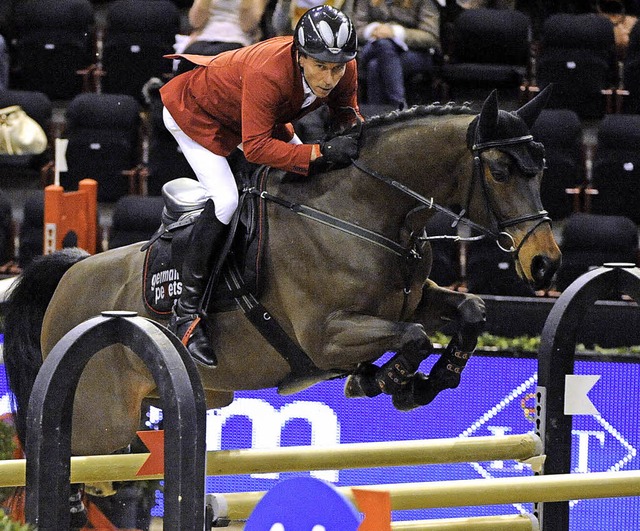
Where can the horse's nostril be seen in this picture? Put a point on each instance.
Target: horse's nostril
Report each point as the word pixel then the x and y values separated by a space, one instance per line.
pixel 542 271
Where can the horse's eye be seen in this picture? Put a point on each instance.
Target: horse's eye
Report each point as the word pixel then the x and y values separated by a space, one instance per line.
pixel 500 175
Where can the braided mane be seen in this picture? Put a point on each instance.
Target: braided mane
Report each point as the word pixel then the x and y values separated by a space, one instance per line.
pixel 417 111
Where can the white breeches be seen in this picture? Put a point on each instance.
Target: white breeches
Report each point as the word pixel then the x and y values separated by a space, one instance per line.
pixel 212 171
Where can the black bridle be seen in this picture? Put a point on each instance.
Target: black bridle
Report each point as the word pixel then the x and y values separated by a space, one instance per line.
pixel 499 235
pixel 541 216
pixel 477 175
pixel 412 252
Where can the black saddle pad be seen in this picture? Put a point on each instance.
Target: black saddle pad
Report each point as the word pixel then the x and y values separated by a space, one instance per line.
pixel 243 250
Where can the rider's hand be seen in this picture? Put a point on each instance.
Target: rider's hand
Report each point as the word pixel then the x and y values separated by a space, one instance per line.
pixel 340 149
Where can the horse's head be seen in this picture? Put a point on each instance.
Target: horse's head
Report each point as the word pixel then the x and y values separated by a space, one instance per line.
pixel 509 166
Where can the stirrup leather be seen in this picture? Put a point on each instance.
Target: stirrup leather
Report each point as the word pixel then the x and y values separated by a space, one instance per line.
pixel 193 318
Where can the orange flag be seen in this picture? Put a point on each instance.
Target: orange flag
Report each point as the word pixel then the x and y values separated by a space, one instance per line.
pixel 376 506
pixel 154 441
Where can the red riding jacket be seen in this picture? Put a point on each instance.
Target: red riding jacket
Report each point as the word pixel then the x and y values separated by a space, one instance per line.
pixel 250 96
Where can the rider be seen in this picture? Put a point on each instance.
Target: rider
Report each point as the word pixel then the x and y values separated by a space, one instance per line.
pixel 247 98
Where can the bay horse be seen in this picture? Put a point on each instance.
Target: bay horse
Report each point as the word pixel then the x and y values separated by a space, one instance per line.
pixel 346 287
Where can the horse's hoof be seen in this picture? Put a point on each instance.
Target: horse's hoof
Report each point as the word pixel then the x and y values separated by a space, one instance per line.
pixel 362 382
pixel 420 391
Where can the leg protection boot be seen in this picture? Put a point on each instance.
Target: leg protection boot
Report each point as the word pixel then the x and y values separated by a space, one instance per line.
pixel 207 237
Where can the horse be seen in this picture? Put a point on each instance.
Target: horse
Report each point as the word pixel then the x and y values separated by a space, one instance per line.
pixel 347 282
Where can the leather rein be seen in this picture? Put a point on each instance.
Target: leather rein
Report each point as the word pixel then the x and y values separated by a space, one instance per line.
pixel 412 251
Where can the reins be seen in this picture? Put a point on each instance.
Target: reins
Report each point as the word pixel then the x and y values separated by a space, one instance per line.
pixel 414 248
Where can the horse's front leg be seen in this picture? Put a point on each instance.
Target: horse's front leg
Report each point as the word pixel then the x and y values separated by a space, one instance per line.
pixel 360 337
pixel 437 307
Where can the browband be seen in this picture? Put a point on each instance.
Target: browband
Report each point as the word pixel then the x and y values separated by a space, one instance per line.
pixel 502 142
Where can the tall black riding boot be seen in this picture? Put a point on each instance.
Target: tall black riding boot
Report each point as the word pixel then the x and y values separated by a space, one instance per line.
pixel 207 237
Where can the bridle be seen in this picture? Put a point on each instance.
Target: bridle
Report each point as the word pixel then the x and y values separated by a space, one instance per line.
pixel 477 175
pixel 541 216
pixel 412 253
pixel 499 235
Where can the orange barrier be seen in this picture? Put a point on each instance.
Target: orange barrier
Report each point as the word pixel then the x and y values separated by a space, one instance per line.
pixel 71 212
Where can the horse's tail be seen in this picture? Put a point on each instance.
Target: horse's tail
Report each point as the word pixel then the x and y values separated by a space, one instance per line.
pixel 28 299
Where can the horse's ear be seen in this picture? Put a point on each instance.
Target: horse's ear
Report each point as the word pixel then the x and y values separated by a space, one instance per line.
pixel 488 116
pixel 530 111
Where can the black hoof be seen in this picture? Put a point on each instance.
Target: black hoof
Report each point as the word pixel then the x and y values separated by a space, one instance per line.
pixel 362 382
pixel 419 391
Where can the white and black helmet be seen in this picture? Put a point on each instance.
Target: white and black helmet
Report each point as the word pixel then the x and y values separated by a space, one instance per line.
pixel 326 34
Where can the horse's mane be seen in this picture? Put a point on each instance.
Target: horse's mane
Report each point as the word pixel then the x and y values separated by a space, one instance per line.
pixel 417 111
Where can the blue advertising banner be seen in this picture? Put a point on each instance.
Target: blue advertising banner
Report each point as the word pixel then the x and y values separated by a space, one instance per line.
pixel 496 396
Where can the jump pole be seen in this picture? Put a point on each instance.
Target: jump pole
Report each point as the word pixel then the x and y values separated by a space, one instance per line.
pixel 511 522
pixel 468 492
pixel 303 458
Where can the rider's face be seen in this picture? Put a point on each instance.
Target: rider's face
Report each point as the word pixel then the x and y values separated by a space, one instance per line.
pixel 322 77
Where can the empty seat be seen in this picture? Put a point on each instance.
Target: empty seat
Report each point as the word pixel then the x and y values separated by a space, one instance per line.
pixel 591 240
pixel 104 142
pixel 489 48
pixel 135 219
pixel 166 161
pixel 631 103
pixel 616 167
pixel 53 39
pixel 492 271
pixel 137 35
pixel 445 270
pixel 31 234
pixel 6 229
pixel 560 130
pixel 578 55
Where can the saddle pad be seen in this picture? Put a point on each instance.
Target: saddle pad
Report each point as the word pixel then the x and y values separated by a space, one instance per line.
pixel 161 283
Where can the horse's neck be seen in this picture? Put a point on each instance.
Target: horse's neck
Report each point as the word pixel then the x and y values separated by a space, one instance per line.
pixel 431 157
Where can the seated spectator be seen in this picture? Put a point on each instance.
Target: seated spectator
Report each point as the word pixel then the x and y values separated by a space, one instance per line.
pixel 221 25
pixel 623 23
pixel 286 13
pixel 399 38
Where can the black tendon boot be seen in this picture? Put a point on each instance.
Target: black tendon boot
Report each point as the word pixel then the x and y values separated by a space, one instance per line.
pixel 186 323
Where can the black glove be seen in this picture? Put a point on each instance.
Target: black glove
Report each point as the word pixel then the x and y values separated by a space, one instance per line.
pixel 340 149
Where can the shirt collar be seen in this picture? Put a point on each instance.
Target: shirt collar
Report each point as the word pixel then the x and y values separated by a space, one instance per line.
pixel 309 96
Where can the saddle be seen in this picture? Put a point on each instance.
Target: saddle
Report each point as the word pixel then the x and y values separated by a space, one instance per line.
pixel 184 200
pixel 239 264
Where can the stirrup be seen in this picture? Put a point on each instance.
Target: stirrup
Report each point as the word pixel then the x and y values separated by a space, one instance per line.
pixel 194 338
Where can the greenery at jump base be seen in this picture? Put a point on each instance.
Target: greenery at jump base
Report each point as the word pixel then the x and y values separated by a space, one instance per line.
pixel 488 341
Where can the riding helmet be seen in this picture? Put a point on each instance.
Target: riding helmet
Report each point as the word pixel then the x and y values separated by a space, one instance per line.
pixel 326 34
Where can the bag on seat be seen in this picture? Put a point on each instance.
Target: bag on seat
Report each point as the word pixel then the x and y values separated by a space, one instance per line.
pixel 19 133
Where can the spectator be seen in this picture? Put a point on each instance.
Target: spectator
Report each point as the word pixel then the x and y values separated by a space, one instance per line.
pixel 221 25
pixel 623 23
pixel 287 12
pixel 400 38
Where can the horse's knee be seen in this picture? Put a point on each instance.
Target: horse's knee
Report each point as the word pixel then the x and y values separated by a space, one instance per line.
pixel 472 310
pixel 472 318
